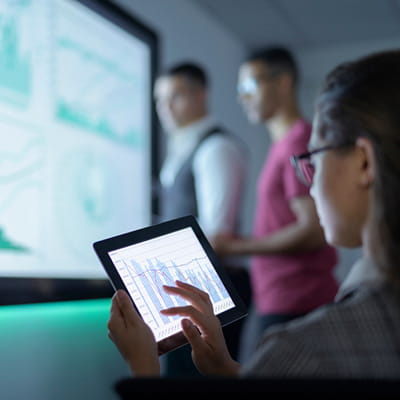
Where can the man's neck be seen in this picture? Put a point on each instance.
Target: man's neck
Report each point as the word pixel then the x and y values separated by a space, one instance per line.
pixel 182 129
pixel 195 120
pixel 279 125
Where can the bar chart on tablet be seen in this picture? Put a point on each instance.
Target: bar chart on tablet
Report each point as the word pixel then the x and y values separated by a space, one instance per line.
pixel 145 267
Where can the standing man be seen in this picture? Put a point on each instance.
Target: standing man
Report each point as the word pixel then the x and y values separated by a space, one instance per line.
pixel 292 267
pixel 203 175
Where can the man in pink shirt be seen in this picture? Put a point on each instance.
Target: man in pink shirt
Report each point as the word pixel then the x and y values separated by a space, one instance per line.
pixel 292 268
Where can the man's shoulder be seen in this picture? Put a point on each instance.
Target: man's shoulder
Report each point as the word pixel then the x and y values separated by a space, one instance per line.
pixel 225 138
pixel 302 128
pixel 219 130
pixel 298 137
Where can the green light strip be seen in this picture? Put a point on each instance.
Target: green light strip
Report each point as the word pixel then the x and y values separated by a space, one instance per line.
pixel 99 307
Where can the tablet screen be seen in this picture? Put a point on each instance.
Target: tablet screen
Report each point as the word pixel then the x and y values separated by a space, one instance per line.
pixel 146 266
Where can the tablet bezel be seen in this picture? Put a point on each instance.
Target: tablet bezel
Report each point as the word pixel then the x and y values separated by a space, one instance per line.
pixel 105 246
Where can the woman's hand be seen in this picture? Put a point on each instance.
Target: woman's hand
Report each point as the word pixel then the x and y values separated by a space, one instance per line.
pixel 133 337
pixel 203 331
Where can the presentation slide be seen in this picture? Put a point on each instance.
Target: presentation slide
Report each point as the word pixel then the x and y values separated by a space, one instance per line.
pixel 147 266
pixel 75 126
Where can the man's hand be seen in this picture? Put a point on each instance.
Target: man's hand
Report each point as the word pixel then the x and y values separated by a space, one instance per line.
pixel 224 244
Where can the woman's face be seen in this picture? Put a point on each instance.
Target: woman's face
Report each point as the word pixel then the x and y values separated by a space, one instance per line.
pixel 340 200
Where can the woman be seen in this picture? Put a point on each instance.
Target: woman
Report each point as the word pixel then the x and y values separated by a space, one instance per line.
pixel 356 186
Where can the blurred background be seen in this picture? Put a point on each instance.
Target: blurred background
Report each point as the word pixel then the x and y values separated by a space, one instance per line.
pixel 220 33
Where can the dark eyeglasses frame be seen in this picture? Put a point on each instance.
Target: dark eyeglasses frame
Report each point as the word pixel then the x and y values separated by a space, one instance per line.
pixel 295 160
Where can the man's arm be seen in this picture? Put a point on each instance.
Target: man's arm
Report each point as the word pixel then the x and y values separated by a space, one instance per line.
pixel 304 234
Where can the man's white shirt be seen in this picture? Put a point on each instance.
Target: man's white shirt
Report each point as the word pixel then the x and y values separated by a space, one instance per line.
pixel 219 169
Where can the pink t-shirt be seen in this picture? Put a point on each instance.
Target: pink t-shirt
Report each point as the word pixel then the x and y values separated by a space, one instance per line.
pixel 295 283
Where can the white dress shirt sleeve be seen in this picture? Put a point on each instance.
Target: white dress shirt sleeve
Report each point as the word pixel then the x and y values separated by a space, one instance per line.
pixel 219 169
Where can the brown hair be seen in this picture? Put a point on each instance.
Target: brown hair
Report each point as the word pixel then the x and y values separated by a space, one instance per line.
pixel 362 98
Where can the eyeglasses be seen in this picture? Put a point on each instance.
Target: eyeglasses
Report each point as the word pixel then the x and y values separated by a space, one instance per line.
pixel 249 86
pixel 303 165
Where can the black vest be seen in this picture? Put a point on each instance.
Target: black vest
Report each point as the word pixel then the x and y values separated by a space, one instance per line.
pixel 179 199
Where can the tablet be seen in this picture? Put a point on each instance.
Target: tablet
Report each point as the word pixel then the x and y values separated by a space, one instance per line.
pixel 142 261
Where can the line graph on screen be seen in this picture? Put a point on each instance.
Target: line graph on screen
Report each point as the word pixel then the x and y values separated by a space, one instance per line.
pixel 147 266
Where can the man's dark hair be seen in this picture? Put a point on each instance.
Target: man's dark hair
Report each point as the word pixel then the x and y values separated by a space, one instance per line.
pixel 279 60
pixel 191 71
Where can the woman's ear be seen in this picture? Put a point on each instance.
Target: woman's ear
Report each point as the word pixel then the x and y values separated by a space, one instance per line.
pixel 367 161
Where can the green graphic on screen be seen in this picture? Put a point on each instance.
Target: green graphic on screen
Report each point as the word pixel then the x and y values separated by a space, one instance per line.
pixel 74 137
pixel 8 244
pixel 15 63
pixel 100 113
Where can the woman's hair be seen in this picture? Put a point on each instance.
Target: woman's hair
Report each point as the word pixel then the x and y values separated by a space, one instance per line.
pixel 362 99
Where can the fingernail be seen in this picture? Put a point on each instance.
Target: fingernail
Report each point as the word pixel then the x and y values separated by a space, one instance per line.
pixel 186 323
pixel 122 295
